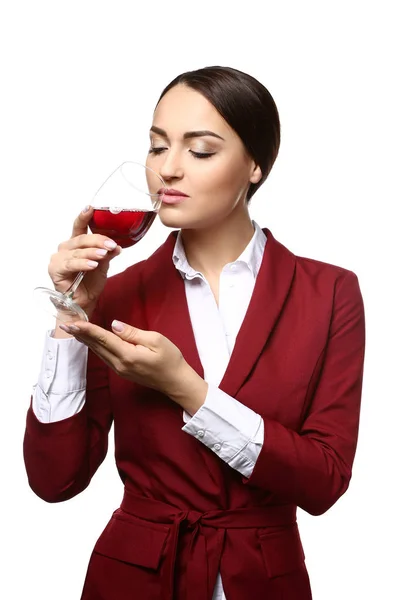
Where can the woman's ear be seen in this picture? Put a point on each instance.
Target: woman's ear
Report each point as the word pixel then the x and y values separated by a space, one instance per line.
pixel 256 174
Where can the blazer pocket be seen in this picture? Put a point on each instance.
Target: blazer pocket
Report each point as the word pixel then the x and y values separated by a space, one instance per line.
pixel 133 541
pixel 282 551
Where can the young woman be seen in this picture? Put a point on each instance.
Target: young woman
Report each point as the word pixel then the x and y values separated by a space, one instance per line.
pixel 231 368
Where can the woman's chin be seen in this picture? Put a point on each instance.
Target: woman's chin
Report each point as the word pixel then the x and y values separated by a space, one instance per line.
pixel 174 223
pixel 171 218
pixel 176 219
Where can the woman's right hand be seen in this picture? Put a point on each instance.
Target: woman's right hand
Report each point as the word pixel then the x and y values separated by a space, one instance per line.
pixel 83 252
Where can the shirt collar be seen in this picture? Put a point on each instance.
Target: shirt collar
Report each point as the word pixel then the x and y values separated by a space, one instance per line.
pixel 251 256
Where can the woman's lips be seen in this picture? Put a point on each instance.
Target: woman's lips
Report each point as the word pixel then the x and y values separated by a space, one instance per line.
pixel 171 196
pixel 169 199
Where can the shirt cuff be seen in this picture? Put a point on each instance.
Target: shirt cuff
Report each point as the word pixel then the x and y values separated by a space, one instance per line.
pixel 229 428
pixel 61 388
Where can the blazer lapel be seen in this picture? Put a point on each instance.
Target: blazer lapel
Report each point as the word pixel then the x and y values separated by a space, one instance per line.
pixel 167 310
pixel 272 287
pixel 165 302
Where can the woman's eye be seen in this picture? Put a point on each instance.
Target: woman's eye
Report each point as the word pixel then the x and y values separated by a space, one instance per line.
pixel 202 154
pixel 157 150
pixel 160 149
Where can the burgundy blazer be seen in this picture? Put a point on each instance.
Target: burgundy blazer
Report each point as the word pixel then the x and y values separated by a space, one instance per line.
pixel 185 514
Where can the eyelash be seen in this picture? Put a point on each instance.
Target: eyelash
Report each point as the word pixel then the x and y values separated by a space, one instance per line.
pixel 195 154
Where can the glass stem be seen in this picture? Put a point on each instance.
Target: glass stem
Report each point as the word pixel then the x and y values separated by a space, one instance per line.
pixel 72 289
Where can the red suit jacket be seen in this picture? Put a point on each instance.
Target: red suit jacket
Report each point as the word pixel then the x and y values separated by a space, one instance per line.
pixel 298 361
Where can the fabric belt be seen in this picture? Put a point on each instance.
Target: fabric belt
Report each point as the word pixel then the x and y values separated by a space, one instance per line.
pixel 202 562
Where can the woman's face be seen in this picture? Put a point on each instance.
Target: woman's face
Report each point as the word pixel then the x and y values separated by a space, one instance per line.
pixel 196 152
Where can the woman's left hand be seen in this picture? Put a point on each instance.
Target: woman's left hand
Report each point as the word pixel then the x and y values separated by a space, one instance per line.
pixel 145 357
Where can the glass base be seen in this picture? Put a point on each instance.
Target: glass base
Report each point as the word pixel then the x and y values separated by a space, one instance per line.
pixel 59 305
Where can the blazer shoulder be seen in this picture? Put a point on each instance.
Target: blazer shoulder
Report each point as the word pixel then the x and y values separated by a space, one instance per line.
pixel 313 267
pixel 308 268
pixel 326 280
pixel 331 287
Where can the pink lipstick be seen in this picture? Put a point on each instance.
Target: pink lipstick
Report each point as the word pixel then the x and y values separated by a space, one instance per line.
pixel 171 196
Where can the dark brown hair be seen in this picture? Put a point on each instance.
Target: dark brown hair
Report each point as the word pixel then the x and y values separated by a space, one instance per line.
pixel 246 105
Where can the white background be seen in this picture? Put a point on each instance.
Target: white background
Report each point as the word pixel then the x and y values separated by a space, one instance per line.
pixel 79 81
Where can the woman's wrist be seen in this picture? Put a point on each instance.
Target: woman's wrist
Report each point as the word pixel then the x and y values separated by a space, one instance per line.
pixel 190 390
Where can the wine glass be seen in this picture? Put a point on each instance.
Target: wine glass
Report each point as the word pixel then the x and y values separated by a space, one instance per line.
pixel 125 207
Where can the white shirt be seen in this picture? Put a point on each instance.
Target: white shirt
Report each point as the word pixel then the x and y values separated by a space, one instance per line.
pixel 226 426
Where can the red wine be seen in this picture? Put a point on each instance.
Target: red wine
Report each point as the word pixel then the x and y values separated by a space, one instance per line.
pixel 126 227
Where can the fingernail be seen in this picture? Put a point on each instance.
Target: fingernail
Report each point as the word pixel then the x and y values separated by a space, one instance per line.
pixel 92 263
pixel 101 252
pixel 117 325
pixel 110 245
pixel 86 209
pixel 69 328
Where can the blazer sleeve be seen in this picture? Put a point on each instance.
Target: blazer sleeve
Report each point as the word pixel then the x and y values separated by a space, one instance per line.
pixel 62 457
pixel 312 468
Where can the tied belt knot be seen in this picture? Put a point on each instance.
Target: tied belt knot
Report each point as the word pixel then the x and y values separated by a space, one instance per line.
pixel 191 519
pixel 204 547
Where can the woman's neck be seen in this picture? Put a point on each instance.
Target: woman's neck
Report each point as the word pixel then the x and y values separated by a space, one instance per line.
pixel 209 250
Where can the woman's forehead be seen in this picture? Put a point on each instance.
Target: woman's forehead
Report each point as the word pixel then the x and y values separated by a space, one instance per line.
pixel 183 109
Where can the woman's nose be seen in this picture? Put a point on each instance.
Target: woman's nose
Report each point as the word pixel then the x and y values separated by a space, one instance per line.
pixel 171 167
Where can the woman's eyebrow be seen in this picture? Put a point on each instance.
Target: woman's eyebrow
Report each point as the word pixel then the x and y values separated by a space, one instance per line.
pixel 188 134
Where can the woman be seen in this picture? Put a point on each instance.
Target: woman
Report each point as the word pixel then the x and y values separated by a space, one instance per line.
pixel 231 368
